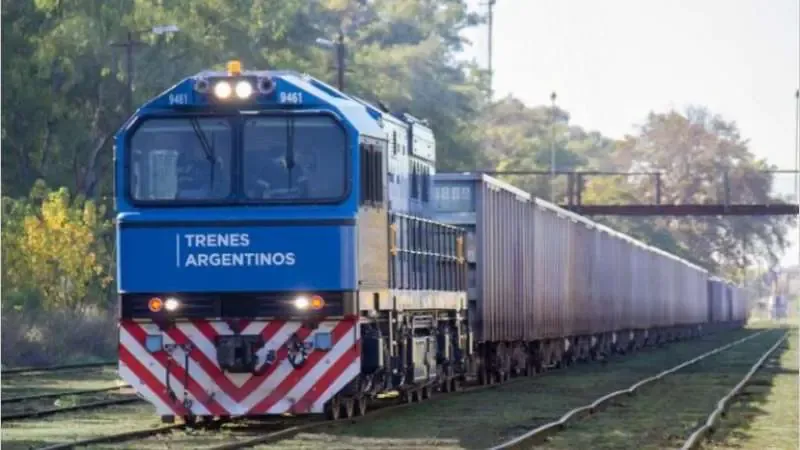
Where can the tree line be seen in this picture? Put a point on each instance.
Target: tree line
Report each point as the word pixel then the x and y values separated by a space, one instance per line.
pixel 64 94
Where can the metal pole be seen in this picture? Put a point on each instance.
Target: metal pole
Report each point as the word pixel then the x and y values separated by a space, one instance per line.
pixel 491 35
pixel 797 150
pixel 129 75
pixel 340 61
pixel 552 144
pixel 129 45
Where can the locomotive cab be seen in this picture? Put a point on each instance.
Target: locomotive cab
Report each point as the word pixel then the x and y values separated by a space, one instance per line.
pixel 238 195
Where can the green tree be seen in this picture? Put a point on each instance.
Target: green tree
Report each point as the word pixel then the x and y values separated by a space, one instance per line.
pixel 55 255
pixel 696 151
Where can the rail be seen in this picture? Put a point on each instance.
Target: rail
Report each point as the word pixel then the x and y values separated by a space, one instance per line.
pixel 61 394
pixel 120 437
pixel 696 438
pixel 27 370
pixel 52 411
pixel 539 433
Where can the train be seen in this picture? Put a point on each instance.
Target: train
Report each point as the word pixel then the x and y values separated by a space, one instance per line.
pixel 284 247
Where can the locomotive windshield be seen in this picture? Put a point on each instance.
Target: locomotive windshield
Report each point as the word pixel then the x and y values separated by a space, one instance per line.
pixel 294 158
pixel 181 159
pixel 282 159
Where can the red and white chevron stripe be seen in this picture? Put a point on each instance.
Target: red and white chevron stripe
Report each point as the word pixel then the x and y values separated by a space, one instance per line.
pixel 279 388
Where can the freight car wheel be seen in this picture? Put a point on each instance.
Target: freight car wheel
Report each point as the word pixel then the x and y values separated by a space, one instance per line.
pixel 427 392
pixel 333 409
pixel 361 405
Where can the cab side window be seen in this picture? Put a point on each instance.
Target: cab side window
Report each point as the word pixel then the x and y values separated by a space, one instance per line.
pixel 371 173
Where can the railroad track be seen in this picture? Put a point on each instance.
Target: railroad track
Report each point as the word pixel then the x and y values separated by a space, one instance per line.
pixel 485 415
pixel 61 368
pixel 40 405
pixel 247 434
pixel 624 412
pixel 696 439
pixel 527 391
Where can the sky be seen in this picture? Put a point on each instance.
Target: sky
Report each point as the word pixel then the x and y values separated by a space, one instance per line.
pixel 612 62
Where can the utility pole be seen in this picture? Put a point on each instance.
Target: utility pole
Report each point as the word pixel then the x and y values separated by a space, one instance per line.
pixel 341 53
pixel 130 43
pixel 491 36
pixel 340 61
pixel 552 144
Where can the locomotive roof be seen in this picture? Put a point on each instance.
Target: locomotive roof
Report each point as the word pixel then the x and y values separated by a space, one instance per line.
pixel 315 94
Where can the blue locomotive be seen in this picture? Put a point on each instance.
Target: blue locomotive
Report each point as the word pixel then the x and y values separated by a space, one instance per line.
pixel 261 269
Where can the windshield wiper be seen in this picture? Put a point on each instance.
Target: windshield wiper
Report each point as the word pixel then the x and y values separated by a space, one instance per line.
pixel 207 148
pixel 290 162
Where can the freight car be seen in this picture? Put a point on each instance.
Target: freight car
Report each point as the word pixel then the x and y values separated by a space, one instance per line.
pixel 278 252
pixel 727 303
pixel 548 287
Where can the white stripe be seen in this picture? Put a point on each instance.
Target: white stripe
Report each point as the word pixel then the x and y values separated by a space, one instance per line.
pixel 209 349
pixel 208 384
pixel 312 376
pixel 154 367
pixel 142 389
pixel 283 370
pixel 338 384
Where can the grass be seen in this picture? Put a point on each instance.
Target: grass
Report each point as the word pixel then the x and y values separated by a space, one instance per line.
pixel 51 382
pixel 663 414
pixel 765 417
pixel 68 427
pixel 485 418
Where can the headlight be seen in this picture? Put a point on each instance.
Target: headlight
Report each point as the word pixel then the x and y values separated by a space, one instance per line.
pixel 171 304
pixel 301 302
pixel 244 89
pixel 222 89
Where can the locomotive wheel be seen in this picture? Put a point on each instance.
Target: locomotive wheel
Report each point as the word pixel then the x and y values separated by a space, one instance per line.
pixel 349 408
pixel 361 405
pixel 190 420
pixel 333 409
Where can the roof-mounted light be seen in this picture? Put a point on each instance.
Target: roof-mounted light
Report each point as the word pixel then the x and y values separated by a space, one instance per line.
pixel 234 68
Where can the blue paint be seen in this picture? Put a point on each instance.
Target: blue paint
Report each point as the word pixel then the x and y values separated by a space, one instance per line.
pixel 269 258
